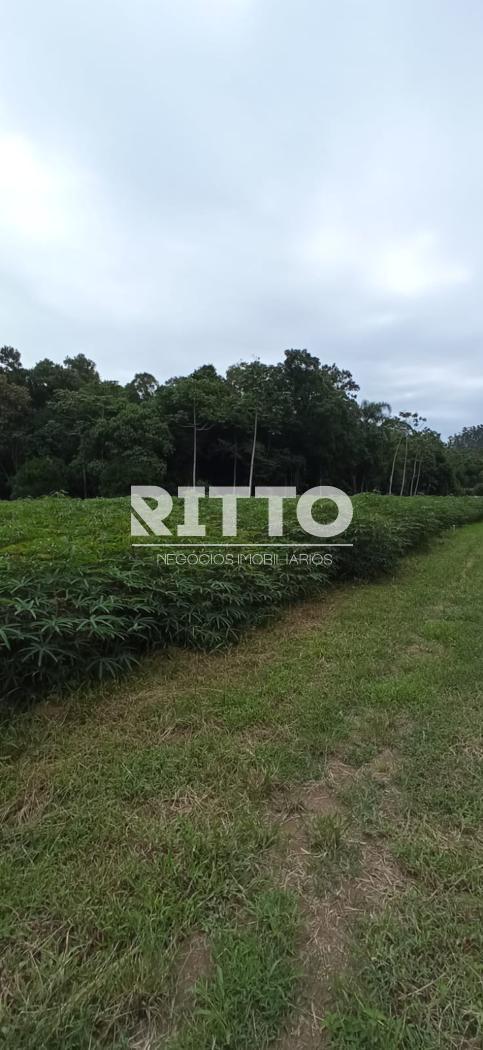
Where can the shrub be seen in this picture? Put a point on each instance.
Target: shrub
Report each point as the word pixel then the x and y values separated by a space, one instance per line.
pixel 39 476
pixel 94 614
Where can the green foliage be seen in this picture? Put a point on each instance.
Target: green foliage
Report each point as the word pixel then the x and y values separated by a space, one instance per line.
pixel 77 602
pixel 39 476
pixel 297 422
pixel 470 437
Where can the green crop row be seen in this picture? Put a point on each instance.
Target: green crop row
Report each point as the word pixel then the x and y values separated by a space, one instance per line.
pixel 76 602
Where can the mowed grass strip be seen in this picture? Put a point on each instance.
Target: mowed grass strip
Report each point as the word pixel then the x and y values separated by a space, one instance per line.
pixel 278 845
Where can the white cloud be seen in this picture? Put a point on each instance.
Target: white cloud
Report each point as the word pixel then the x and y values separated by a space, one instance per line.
pixel 379 320
pixel 407 266
pixel 31 191
pixel 416 266
pixel 59 233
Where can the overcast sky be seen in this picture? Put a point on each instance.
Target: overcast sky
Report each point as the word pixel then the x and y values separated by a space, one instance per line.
pixel 201 181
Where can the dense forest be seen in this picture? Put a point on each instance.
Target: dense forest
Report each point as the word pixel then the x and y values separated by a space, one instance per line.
pixel 297 422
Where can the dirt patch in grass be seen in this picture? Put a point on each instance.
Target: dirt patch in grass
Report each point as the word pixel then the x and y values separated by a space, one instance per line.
pixel 314 797
pixel 321 945
pixel 194 963
pixel 339 774
pixel 419 649
pixel 383 766
pixel 183 802
pixel 317 798
pixel 308 813
pixel 380 877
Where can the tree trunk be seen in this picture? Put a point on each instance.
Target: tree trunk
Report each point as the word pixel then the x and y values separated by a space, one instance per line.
pixel 195 450
pixel 413 477
pixel 235 455
pixel 403 482
pixel 417 479
pixel 391 479
pixel 252 458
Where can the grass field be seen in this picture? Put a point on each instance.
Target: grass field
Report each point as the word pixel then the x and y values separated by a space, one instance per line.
pixel 279 845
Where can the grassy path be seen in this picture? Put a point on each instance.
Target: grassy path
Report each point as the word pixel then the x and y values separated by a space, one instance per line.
pixel 279 846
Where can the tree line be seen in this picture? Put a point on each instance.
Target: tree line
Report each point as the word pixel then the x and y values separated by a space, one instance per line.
pixel 298 422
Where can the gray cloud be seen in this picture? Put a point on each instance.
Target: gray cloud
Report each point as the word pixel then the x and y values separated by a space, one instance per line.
pixel 211 179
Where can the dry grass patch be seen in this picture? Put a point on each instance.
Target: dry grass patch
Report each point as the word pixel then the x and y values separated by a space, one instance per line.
pixel 29 806
pixel 194 964
pixel 313 826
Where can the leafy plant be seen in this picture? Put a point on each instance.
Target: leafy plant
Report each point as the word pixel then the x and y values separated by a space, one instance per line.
pixel 76 602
